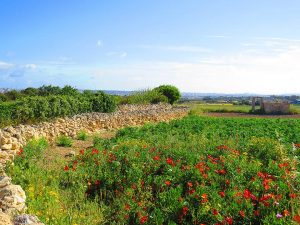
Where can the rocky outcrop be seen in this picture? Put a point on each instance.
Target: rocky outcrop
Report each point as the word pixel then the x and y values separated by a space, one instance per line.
pixel 12 197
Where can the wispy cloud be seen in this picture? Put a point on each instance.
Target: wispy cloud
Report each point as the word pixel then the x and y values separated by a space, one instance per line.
pixel 118 54
pixel 5 65
pixel 30 66
pixel 216 36
pixel 176 48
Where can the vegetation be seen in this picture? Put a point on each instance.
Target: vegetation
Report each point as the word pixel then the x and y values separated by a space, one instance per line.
pixel 200 107
pixel 197 170
pixel 64 141
pixel 82 135
pixel 171 92
pixel 143 97
pixel 40 108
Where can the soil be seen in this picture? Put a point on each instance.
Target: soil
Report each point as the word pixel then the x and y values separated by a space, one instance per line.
pixel 55 155
pixel 245 115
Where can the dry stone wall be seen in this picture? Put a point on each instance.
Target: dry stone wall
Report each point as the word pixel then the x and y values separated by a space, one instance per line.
pixel 12 197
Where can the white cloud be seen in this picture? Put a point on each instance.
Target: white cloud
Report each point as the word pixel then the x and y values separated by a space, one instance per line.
pixel 5 65
pixel 259 72
pixel 118 54
pixel 30 66
pixel 177 48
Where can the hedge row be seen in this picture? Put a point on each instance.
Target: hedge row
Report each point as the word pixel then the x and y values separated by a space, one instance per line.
pixel 31 109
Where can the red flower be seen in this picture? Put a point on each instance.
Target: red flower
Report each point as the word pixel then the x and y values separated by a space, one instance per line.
pixel 21 151
pixel 215 212
pixel 168 183
pixel 256 213
pixel 97 182
pixel 229 220
pixel 221 172
pixel 127 207
pixel 66 168
pixel 189 184
pixel 247 194
pixel 156 158
pixel 170 162
pixel 297 218
pixel 95 151
pixel 185 210
pixel 192 191
pixel 143 219
pixel 242 213
pixel 81 152
pixel 222 194
pixel 286 212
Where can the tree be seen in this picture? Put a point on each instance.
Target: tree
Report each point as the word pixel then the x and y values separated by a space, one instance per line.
pixel 171 92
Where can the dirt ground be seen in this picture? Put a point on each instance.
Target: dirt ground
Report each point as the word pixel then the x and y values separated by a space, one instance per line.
pixel 54 155
pixel 245 115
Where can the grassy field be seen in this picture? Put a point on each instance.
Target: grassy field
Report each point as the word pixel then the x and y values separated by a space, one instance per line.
pixel 197 170
pixel 199 108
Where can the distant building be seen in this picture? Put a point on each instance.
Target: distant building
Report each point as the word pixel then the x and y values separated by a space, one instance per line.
pixel 296 102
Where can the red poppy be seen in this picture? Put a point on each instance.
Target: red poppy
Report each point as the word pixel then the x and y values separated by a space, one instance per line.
pixel 95 151
pixel 185 210
pixel 222 194
pixel 192 191
pixel 170 162
pixel 189 184
pixel 97 182
pixel 215 212
pixel 242 213
pixel 285 212
pixel 143 219
pixel 247 194
pixel 229 220
pixel 168 183
pixel 66 168
pixel 297 218
pixel 127 207
pixel 81 152
pixel 156 158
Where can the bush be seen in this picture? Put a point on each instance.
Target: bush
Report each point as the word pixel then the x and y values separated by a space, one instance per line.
pixel 144 97
pixel 64 141
pixel 38 108
pixel 171 92
pixel 82 135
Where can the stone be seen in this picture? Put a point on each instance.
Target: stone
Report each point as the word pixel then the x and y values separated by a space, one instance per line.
pixel 5 219
pixel 27 219
pixel 4 181
pixel 12 199
pixel 6 146
pixel 70 154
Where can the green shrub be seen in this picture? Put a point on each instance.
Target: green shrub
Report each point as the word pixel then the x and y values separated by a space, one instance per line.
pixel 64 141
pixel 38 108
pixel 144 97
pixel 171 92
pixel 82 135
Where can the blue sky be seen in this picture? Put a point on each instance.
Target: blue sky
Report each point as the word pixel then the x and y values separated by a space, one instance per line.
pixel 230 46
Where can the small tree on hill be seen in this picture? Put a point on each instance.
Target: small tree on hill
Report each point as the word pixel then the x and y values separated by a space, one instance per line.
pixel 171 92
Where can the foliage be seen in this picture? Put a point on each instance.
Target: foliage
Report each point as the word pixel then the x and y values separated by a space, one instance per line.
pixel 45 197
pixel 82 135
pixel 192 171
pixel 38 108
pixel 171 92
pixel 64 141
pixel 144 97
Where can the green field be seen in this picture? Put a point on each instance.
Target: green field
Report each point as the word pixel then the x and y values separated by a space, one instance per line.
pixel 199 108
pixel 197 170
